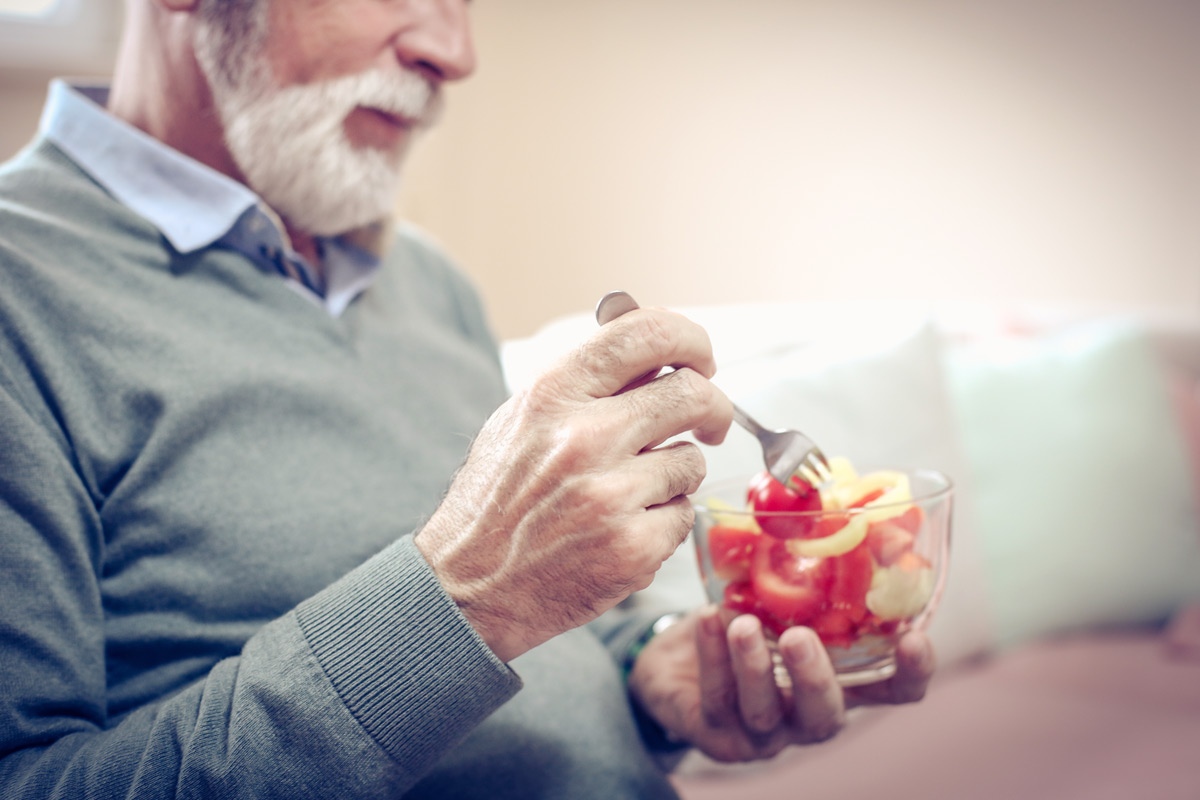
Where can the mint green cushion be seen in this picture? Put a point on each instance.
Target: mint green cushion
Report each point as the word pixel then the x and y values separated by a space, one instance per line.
pixel 1081 482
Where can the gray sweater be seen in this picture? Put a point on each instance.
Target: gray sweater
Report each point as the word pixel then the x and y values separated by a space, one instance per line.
pixel 208 586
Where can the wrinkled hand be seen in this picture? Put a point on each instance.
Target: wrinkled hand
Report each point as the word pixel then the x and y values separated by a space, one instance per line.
pixel 715 687
pixel 567 503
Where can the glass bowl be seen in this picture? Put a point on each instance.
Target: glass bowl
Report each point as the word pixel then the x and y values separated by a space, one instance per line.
pixel 860 577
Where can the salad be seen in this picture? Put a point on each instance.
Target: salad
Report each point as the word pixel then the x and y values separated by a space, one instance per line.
pixel 845 565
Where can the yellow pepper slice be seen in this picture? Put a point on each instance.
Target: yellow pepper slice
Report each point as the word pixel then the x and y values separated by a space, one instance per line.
pixel 899 593
pixel 731 516
pixel 842 541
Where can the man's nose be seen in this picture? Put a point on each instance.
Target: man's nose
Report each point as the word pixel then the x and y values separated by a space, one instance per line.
pixel 437 39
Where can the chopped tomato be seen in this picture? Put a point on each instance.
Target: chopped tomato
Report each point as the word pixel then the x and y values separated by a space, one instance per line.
pixel 731 549
pixel 790 588
pixel 888 540
pixel 873 624
pixel 911 562
pixel 769 495
pixel 851 579
pixel 740 597
pixel 829 524
pixel 911 520
pixel 835 628
pixel 867 498
pixel 791 565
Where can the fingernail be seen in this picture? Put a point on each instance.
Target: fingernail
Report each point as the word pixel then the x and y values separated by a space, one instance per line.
pixel 748 644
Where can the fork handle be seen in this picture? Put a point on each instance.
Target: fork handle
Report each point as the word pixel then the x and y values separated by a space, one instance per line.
pixel 748 422
pixel 614 304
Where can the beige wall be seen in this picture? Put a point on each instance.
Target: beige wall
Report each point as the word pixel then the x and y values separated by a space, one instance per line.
pixel 707 150
pixel 33 52
pixel 21 98
pixel 702 150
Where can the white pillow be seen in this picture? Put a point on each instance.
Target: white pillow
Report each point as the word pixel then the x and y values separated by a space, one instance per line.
pixel 863 379
pixel 1082 485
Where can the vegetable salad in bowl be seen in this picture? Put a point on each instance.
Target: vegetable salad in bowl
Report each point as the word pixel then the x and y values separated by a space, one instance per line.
pixel 859 558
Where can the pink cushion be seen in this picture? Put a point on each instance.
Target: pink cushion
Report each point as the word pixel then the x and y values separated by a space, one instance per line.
pixel 1183 634
pixel 1103 716
pixel 1185 391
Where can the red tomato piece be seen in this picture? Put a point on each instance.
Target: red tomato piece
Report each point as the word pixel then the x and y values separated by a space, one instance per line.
pixel 851 579
pixel 832 622
pixel 888 541
pixel 835 628
pixel 769 495
pixel 731 549
pixel 879 627
pixel 740 597
pixel 911 520
pixel 792 589
pixel 911 562
pixel 828 525
pixel 867 498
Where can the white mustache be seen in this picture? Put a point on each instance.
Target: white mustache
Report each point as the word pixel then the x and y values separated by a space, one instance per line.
pixel 399 91
pixel 402 92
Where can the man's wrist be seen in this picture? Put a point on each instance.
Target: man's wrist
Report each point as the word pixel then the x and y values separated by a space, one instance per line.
pixel 666 749
pixel 637 645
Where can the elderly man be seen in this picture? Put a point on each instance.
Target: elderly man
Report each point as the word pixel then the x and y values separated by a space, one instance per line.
pixel 268 525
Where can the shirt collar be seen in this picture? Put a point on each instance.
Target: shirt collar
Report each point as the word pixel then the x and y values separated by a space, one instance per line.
pixel 192 204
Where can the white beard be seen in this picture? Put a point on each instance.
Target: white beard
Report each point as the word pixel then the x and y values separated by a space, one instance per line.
pixel 290 143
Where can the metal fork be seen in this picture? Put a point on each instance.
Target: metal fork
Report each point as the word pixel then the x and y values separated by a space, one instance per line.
pixel 786 453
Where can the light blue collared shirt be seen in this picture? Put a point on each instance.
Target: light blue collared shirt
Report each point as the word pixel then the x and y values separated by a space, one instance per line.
pixel 191 204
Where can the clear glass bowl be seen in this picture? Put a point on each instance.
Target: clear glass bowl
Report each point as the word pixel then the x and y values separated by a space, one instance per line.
pixel 861 578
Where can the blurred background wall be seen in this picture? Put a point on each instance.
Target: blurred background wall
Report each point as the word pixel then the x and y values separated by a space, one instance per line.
pixel 711 151
pixel 40 39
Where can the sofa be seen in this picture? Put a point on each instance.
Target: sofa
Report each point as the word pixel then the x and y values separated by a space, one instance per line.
pixel 1068 635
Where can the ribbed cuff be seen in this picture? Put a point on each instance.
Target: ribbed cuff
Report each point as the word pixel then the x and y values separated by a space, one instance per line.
pixel 404 659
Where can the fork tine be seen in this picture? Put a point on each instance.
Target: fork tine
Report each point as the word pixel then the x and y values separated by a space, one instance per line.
pixel 809 474
pixel 814 468
pixel 778 446
pixel 816 461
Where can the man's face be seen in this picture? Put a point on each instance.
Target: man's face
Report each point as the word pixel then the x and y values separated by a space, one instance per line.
pixel 319 99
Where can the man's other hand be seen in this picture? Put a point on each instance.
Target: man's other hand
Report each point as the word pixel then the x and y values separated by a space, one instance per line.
pixel 715 687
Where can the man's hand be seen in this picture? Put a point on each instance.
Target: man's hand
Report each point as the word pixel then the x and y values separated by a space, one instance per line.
pixel 715 688
pixel 567 503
